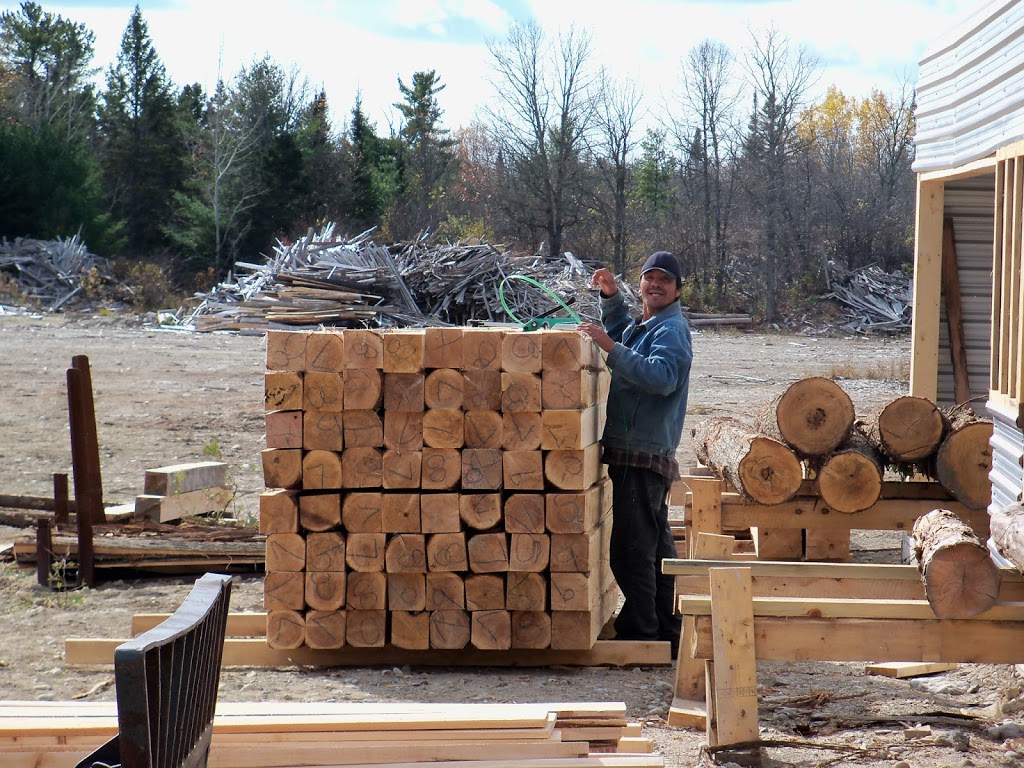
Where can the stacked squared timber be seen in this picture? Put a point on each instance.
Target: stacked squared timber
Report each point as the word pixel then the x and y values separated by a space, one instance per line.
pixel 436 488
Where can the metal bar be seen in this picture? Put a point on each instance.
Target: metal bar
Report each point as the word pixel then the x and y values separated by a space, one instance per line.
pixel 83 494
pixel 90 497
pixel 61 502
pixel 44 552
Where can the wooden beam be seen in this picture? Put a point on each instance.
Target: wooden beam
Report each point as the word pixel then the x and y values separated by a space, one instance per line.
pixel 954 314
pixel 801 512
pixel 255 652
pixel 966 642
pixel 732 701
pixel 924 350
pixel 842 608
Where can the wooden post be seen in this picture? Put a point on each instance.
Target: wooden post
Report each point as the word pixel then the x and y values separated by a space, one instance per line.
pixel 689 708
pixel 734 689
pixel 924 353
pixel 706 512
pixel 954 315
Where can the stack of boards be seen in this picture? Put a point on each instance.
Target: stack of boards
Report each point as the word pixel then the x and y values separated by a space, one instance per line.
pixel 284 734
pixel 435 488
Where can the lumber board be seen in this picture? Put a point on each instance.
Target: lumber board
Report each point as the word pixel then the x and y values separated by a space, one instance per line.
pixel 811 512
pixel 254 652
pixel 942 640
pixel 732 699
pixel 684 567
pixel 904 669
pixel 846 608
pixel 182 478
pixel 163 509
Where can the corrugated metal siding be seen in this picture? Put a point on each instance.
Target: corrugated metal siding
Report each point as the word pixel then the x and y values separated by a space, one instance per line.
pixel 970 89
pixel 969 202
pixel 1007 474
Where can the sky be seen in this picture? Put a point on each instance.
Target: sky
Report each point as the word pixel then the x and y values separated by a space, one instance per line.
pixel 362 47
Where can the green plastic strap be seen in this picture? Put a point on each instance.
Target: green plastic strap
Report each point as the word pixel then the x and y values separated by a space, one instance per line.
pixel 536 284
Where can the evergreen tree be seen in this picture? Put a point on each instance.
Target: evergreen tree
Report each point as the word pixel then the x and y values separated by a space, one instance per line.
pixel 373 172
pixel 49 188
pixel 142 149
pixel 322 160
pixel 45 68
pixel 428 161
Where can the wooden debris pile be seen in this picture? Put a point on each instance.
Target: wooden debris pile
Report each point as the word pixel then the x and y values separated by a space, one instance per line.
pixel 873 300
pixel 52 272
pixel 322 279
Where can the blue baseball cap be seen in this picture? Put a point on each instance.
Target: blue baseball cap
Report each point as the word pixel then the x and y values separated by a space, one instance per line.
pixel 666 262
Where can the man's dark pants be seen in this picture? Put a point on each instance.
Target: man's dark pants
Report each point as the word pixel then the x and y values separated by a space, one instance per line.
pixel 640 539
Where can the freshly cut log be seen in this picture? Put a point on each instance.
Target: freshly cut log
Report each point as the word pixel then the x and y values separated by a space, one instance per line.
pixel 909 429
pixel 759 467
pixel 964 459
pixel 813 416
pixel 1006 529
pixel 960 579
pixel 850 478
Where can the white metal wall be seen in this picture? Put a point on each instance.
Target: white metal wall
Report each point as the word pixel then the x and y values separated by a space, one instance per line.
pixel 970 89
pixel 969 202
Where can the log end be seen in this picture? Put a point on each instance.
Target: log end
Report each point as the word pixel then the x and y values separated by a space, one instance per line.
pixel 770 473
pixel 815 415
pixel 961 582
pixel 963 462
pixel 850 482
pixel 911 428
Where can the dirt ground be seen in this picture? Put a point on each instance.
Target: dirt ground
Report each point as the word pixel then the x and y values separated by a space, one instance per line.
pixel 166 397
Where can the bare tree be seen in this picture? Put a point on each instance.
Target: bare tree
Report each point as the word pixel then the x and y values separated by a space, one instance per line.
pixel 705 131
pixel 540 123
pixel 614 145
pixel 781 76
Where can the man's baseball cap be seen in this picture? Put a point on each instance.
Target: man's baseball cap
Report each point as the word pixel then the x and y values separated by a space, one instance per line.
pixel 666 262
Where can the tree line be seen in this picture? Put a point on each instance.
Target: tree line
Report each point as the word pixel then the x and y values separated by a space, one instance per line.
pixel 751 181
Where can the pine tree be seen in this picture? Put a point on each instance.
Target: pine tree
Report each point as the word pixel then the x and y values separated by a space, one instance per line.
pixel 142 150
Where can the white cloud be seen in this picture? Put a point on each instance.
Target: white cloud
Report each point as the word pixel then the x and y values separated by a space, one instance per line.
pixel 351 46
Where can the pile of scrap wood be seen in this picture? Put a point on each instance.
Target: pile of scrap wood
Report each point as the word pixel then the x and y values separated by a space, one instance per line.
pixel 180 522
pixel 277 734
pixel 811 430
pixel 160 547
pixel 52 272
pixel 872 299
pixel 323 279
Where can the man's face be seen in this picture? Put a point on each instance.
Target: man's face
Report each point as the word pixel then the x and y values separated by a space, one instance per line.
pixel 658 290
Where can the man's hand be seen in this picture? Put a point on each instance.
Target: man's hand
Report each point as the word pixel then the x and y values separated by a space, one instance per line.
pixel 598 334
pixel 604 280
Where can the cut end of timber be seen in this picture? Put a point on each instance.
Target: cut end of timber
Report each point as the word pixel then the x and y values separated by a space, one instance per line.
pixel 815 415
pixel 770 472
pixel 963 463
pixel 911 428
pixel 850 482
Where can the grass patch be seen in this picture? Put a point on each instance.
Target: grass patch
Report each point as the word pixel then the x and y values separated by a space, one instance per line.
pixel 890 369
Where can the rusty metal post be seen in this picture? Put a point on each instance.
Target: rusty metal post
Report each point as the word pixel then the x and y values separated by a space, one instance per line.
pixel 44 552
pixel 86 500
pixel 92 491
pixel 60 499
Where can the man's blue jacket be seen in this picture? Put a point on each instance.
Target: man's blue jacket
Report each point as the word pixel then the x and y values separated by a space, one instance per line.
pixel 650 365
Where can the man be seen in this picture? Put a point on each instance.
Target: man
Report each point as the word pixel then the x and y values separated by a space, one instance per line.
pixel 650 366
